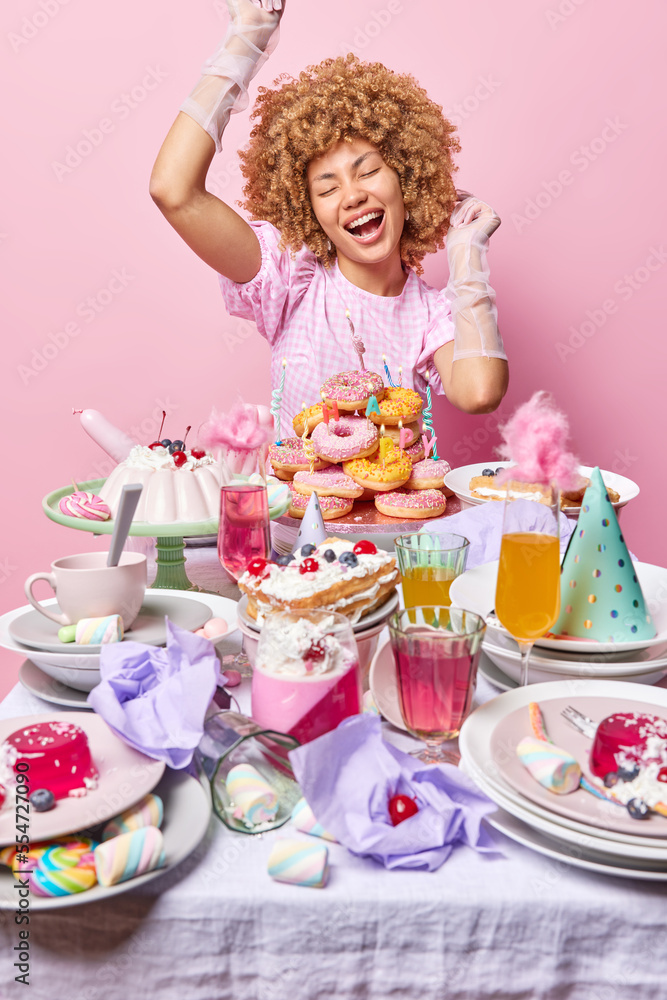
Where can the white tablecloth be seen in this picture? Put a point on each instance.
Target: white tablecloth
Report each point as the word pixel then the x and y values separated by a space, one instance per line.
pixel 520 926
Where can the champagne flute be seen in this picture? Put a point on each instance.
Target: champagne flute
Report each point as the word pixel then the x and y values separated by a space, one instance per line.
pixel 528 587
pixel 244 527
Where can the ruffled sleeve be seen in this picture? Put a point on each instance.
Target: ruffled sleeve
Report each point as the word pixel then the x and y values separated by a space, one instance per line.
pixel 439 331
pixel 277 287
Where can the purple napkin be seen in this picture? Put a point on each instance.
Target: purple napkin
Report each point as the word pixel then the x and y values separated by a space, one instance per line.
pixel 482 526
pixel 156 699
pixel 348 776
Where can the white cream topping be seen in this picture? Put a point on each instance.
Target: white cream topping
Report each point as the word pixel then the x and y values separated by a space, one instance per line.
pixel 143 457
pixel 285 651
pixel 485 491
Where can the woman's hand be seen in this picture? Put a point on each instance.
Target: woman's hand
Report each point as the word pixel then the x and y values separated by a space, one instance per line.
pixel 255 12
pixel 473 215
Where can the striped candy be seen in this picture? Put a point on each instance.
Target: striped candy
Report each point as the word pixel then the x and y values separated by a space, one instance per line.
pixel 99 631
pixel 129 855
pixel 82 503
pixel 149 811
pixel 299 863
pixel 252 796
pixel 304 820
pixel 555 769
pixel 63 882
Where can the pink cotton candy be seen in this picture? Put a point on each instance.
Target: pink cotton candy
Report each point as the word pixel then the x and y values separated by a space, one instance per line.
pixel 242 430
pixel 534 440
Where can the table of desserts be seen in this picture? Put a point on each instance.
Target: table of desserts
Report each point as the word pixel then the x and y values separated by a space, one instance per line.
pixel 514 924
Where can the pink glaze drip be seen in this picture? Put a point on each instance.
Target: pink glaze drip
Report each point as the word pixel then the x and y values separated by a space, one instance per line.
pixel 329 477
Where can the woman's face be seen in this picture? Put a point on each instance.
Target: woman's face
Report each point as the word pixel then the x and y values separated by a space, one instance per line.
pixel 357 200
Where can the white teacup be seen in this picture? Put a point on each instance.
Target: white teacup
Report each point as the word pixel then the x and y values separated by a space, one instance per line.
pixel 87 588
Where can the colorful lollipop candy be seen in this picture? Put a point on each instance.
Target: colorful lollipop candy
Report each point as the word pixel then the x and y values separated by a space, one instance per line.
pixel 84 504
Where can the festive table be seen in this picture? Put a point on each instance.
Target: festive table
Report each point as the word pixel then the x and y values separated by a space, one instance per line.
pixel 513 926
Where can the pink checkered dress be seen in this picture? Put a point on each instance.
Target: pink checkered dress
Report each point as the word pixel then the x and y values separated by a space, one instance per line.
pixel 300 307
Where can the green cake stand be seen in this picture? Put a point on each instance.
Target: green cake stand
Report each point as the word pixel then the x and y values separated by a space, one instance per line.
pixel 169 538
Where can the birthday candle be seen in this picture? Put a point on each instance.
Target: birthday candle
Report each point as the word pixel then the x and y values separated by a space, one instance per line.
pixel 385 445
pixel 404 435
pixel 372 406
pixel 308 445
pixel 356 341
pixel 427 417
pixel 400 376
pixel 386 368
pixel 276 402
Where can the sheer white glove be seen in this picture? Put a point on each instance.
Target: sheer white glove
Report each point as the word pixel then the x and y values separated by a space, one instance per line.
pixel 251 36
pixel 472 299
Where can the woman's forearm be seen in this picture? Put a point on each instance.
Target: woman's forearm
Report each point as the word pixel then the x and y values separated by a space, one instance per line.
pixel 474 385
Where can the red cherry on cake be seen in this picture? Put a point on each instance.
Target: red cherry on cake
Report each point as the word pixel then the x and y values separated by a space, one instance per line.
pixel 315 651
pixel 309 566
pixel 401 807
pixel 3 795
pixel 662 774
pixel 364 548
pixel 198 453
pixel 180 458
pixel 257 566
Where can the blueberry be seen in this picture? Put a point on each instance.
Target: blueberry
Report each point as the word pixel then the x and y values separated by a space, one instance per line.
pixel 628 773
pixel 42 800
pixel 284 560
pixel 329 555
pixel 175 446
pixel 307 550
pixel 499 470
pixel 348 559
pixel 638 809
pixel 165 442
pixel 611 779
pixel 487 472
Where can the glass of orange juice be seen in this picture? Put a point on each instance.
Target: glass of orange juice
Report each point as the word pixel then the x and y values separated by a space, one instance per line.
pixel 528 587
pixel 428 564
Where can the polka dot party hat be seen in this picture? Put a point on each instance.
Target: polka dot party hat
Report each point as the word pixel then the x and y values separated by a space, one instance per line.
pixel 600 595
pixel 312 530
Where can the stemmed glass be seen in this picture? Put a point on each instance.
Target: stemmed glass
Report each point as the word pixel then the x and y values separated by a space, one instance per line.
pixel 244 527
pixel 436 651
pixel 528 588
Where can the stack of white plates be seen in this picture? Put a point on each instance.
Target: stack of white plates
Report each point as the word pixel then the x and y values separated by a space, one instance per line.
pixel 643 662
pixel 577 828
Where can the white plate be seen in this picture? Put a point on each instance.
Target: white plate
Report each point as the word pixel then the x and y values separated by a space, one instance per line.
pixel 187 813
pixel 458 481
pixel 476 737
pixel 82 670
pixel 576 835
pixel 534 841
pixel 39 683
pixel 476 590
pixel 383 686
pixel 494 675
pixel 125 775
pixel 375 617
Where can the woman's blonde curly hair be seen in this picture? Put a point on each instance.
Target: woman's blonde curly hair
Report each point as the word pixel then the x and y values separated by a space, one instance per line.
pixel 342 99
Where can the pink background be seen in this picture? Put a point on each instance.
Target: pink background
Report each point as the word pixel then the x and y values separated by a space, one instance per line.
pixel 533 86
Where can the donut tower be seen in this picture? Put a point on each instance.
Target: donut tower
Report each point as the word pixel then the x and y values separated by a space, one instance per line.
pixel 362 441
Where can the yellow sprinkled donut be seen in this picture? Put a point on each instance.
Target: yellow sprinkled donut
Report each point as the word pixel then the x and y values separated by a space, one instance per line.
pixel 372 473
pixel 398 404
pixel 312 416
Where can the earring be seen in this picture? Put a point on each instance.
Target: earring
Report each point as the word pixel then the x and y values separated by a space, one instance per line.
pixel 407 215
pixel 328 244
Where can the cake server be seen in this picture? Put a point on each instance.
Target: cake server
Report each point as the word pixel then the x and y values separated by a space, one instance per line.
pixel 129 499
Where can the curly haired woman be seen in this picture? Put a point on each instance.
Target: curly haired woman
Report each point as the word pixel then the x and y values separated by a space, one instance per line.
pixel 349 182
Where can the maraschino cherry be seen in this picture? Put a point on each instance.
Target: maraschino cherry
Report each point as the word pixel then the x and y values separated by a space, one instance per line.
pixel 179 455
pixel 257 566
pixel 401 807
pixel 158 443
pixel 364 548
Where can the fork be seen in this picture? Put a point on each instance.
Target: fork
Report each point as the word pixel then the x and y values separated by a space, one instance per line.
pixel 580 721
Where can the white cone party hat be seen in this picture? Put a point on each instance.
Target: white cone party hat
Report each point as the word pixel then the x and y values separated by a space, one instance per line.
pixel 312 526
pixel 601 598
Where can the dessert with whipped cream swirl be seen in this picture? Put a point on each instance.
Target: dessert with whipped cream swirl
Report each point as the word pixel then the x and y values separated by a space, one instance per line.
pixel 306 676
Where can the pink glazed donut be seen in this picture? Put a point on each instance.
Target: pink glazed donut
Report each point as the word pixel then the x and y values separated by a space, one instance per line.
pixel 412 504
pixel 289 457
pixel 352 390
pixel 346 438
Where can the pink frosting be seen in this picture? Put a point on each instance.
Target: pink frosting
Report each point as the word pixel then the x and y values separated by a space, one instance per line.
pixel 331 477
pixel 430 469
pixel 301 501
pixel 343 439
pixel 426 499
pixel 350 386
pixel 289 452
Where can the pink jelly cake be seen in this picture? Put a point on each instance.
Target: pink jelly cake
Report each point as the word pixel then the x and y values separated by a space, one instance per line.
pixel 629 754
pixel 305 680
pixel 173 490
pixel 57 755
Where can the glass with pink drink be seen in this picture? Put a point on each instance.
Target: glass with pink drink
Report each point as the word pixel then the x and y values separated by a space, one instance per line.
pixel 436 651
pixel 244 527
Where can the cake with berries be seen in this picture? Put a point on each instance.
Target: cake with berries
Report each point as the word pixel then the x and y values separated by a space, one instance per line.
pixel 487 487
pixel 54 755
pixel 336 575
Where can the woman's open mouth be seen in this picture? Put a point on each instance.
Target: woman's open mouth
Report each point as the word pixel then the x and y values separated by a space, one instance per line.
pixel 367 228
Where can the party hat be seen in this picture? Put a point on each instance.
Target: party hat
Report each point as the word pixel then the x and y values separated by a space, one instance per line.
pixel 601 598
pixel 312 526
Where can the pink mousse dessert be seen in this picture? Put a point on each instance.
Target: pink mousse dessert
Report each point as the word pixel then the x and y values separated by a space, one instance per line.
pixel 306 677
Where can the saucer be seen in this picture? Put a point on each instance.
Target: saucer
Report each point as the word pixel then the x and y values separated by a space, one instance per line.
pixel 39 632
pixel 49 689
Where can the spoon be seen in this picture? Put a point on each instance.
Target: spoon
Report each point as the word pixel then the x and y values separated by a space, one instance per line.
pixel 129 499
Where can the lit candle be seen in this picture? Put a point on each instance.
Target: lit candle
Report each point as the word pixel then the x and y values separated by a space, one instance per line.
pixel 307 444
pixel 326 412
pixel 386 445
pixel 372 406
pixel 386 368
pixel 404 435
pixel 400 375
pixel 427 417
pixel 428 444
pixel 276 402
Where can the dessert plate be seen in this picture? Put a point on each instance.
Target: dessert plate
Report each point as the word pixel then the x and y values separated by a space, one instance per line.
pixel 368 621
pixel 187 814
pixel 494 675
pixel 458 481
pixel 49 689
pixel 383 686
pixel 125 776
pixel 39 632
pixel 476 590
pixel 580 806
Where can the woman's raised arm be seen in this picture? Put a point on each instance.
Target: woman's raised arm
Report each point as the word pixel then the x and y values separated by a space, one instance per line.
pixel 211 228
